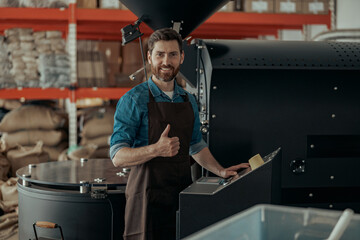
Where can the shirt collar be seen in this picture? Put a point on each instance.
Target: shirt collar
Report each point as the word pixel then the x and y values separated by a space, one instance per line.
pixel 156 91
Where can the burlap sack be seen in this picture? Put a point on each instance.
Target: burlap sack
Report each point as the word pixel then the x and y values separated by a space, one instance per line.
pixel 9 206
pixel 9 226
pixel 49 138
pixel 54 152
pixel 101 153
pixel 39 35
pixel 31 117
pixel 63 156
pixel 102 141
pixel 101 124
pixel 8 190
pixel 82 152
pixel 9 104
pixel 53 34
pixel 12 31
pixel 23 156
pixel 4 167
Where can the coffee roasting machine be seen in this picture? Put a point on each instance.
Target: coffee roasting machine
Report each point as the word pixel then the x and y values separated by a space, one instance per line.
pixel 258 96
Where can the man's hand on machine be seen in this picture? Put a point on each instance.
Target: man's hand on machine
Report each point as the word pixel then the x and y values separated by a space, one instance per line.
pixel 166 146
pixel 233 170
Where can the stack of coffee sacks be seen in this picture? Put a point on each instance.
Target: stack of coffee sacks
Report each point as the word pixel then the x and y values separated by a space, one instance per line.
pixel 5 66
pixel 97 129
pixel 35 3
pixel 32 134
pixel 37 59
pixel 6 105
pixel 96 126
pixel 43 3
pixel 8 209
pixel 22 54
pixel 53 61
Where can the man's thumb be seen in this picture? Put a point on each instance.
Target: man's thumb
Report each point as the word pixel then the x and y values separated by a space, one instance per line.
pixel 166 131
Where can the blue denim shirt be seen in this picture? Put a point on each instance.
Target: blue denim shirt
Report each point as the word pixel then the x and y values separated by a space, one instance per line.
pixel 131 118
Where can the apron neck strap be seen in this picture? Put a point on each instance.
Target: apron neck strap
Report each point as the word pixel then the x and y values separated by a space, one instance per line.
pixel 185 97
pixel 151 96
pixel 152 99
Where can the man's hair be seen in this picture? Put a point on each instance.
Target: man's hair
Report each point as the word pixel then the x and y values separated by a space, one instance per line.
pixel 165 34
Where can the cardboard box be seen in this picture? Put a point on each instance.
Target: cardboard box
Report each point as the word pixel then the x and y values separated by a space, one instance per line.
pixel 260 6
pixel 84 69
pixel 111 49
pixel 131 56
pixel 288 6
pixel 112 70
pixel 110 4
pixel 315 7
pixel 86 3
pixel 91 69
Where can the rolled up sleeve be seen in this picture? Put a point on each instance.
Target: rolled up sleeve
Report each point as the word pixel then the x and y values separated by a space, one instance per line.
pixel 126 124
pixel 115 148
pixel 197 147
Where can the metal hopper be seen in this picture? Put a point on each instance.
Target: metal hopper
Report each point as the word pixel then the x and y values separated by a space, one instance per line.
pixel 185 15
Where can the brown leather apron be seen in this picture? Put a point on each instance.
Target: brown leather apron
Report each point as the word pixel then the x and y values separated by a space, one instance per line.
pixel 153 188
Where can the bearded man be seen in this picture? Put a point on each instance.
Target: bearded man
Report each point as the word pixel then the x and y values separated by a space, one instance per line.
pixel 156 129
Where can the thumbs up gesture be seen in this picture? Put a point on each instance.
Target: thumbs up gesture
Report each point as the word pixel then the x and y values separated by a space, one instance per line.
pixel 167 147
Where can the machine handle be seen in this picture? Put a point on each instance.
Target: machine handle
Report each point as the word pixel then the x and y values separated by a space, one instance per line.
pixel 44 224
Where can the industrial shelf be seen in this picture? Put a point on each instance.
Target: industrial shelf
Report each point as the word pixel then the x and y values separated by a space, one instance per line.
pixel 108 93
pixel 62 93
pixel 105 24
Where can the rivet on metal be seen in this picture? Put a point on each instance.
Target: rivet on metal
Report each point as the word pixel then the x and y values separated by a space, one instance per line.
pixel 311 195
pixel 84 187
pixel 213 116
pixel 312 146
pixel 332 177
pixel 214 87
pixel 333 115
pixel 99 180
pixel 335 88
pixel 24 181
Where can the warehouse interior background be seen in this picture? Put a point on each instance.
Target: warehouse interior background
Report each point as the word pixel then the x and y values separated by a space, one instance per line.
pixel 63 67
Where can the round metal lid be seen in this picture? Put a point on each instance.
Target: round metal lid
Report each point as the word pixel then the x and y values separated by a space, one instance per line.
pixel 71 173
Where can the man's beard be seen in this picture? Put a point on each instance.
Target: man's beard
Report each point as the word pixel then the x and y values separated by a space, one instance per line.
pixel 165 77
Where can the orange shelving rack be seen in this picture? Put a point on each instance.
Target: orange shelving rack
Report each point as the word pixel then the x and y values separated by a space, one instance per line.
pixel 105 24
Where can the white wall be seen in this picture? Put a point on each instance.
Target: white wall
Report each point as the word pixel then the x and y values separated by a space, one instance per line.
pixel 347 14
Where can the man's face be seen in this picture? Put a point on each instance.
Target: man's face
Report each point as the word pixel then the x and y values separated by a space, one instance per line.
pixel 165 60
